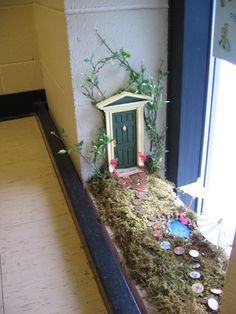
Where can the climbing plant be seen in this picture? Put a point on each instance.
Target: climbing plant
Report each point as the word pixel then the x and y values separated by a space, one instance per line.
pixel 97 153
pixel 138 83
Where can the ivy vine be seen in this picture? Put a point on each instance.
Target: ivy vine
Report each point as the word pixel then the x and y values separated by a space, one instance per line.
pixel 97 153
pixel 137 83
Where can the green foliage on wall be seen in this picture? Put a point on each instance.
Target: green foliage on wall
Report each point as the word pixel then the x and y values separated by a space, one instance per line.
pixel 137 83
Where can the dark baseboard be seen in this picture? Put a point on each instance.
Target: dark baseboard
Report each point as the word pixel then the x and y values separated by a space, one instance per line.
pixel 113 285
pixel 20 104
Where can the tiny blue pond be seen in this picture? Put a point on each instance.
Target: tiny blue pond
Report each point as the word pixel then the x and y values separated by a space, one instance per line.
pixel 179 230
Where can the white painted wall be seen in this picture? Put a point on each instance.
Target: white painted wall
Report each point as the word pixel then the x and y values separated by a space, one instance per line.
pixel 138 26
pixel 19 54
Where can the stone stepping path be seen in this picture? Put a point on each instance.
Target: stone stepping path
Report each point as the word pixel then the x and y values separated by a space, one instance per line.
pixel 131 177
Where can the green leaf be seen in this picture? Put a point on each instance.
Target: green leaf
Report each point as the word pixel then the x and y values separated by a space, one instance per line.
pixel 62 151
pixel 124 53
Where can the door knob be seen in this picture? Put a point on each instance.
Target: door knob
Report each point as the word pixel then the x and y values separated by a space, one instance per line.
pixel 124 128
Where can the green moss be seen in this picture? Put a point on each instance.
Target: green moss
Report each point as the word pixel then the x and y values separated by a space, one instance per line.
pixel 163 275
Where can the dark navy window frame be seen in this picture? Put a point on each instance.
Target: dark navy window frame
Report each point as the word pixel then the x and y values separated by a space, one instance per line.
pixel 190 24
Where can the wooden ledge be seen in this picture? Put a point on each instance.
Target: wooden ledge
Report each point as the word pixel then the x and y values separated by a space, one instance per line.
pixel 111 281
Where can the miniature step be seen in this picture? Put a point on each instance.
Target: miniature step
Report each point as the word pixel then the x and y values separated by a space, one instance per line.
pixel 126 172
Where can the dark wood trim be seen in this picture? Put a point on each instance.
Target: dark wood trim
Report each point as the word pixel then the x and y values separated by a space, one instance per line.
pixel 20 104
pixel 113 285
pixel 190 23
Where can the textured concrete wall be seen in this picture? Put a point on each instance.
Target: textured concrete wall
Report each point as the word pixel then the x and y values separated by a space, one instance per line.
pixel 136 25
pixel 19 55
pixel 52 41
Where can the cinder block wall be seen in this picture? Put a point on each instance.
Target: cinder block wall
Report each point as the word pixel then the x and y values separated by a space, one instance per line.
pixel 50 23
pixel 140 26
pixel 44 43
pixel 19 53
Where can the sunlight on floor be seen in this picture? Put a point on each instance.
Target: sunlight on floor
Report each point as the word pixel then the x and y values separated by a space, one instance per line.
pixel 43 265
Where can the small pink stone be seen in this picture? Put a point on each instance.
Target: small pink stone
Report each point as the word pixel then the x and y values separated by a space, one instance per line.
pixel 179 250
pixel 141 187
pixel 157 233
pixel 156 225
pixel 139 194
pixel 152 218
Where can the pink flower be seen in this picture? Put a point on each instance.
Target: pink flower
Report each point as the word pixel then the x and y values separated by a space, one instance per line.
pixel 142 156
pixel 114 162
pixel 183 219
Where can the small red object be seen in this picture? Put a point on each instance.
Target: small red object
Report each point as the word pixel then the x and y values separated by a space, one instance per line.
pixel 142 156
pixel 114 162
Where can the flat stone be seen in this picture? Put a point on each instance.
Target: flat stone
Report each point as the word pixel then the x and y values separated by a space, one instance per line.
pixel 179 250
pixel 126 172
pixel 141 187
pixel 196 265
pixel 152 218
pixel 140 210
pixel 121 181
pixel 142 174
pixel 135 180
pixel 157 233
pixel 156 225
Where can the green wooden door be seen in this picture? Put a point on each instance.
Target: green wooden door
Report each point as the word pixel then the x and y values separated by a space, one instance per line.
pixel 124 133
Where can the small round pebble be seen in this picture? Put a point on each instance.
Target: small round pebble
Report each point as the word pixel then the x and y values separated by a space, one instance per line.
pixel 179 250
pixel 194 253
pixel 195 274
pixel 140 210
pixel 165 245
pixel 140 194
pixel 196 266
pixel 141 187
pixel 213 304
pixel 156 225
pixel 152 218
pixel 197 287
pixel 157 234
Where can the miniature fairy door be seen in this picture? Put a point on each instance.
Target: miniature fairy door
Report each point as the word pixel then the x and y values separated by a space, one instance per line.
pixel 124 124
pixel 124 134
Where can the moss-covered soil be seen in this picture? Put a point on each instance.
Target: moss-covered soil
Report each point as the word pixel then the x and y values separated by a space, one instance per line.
pixel 163 274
